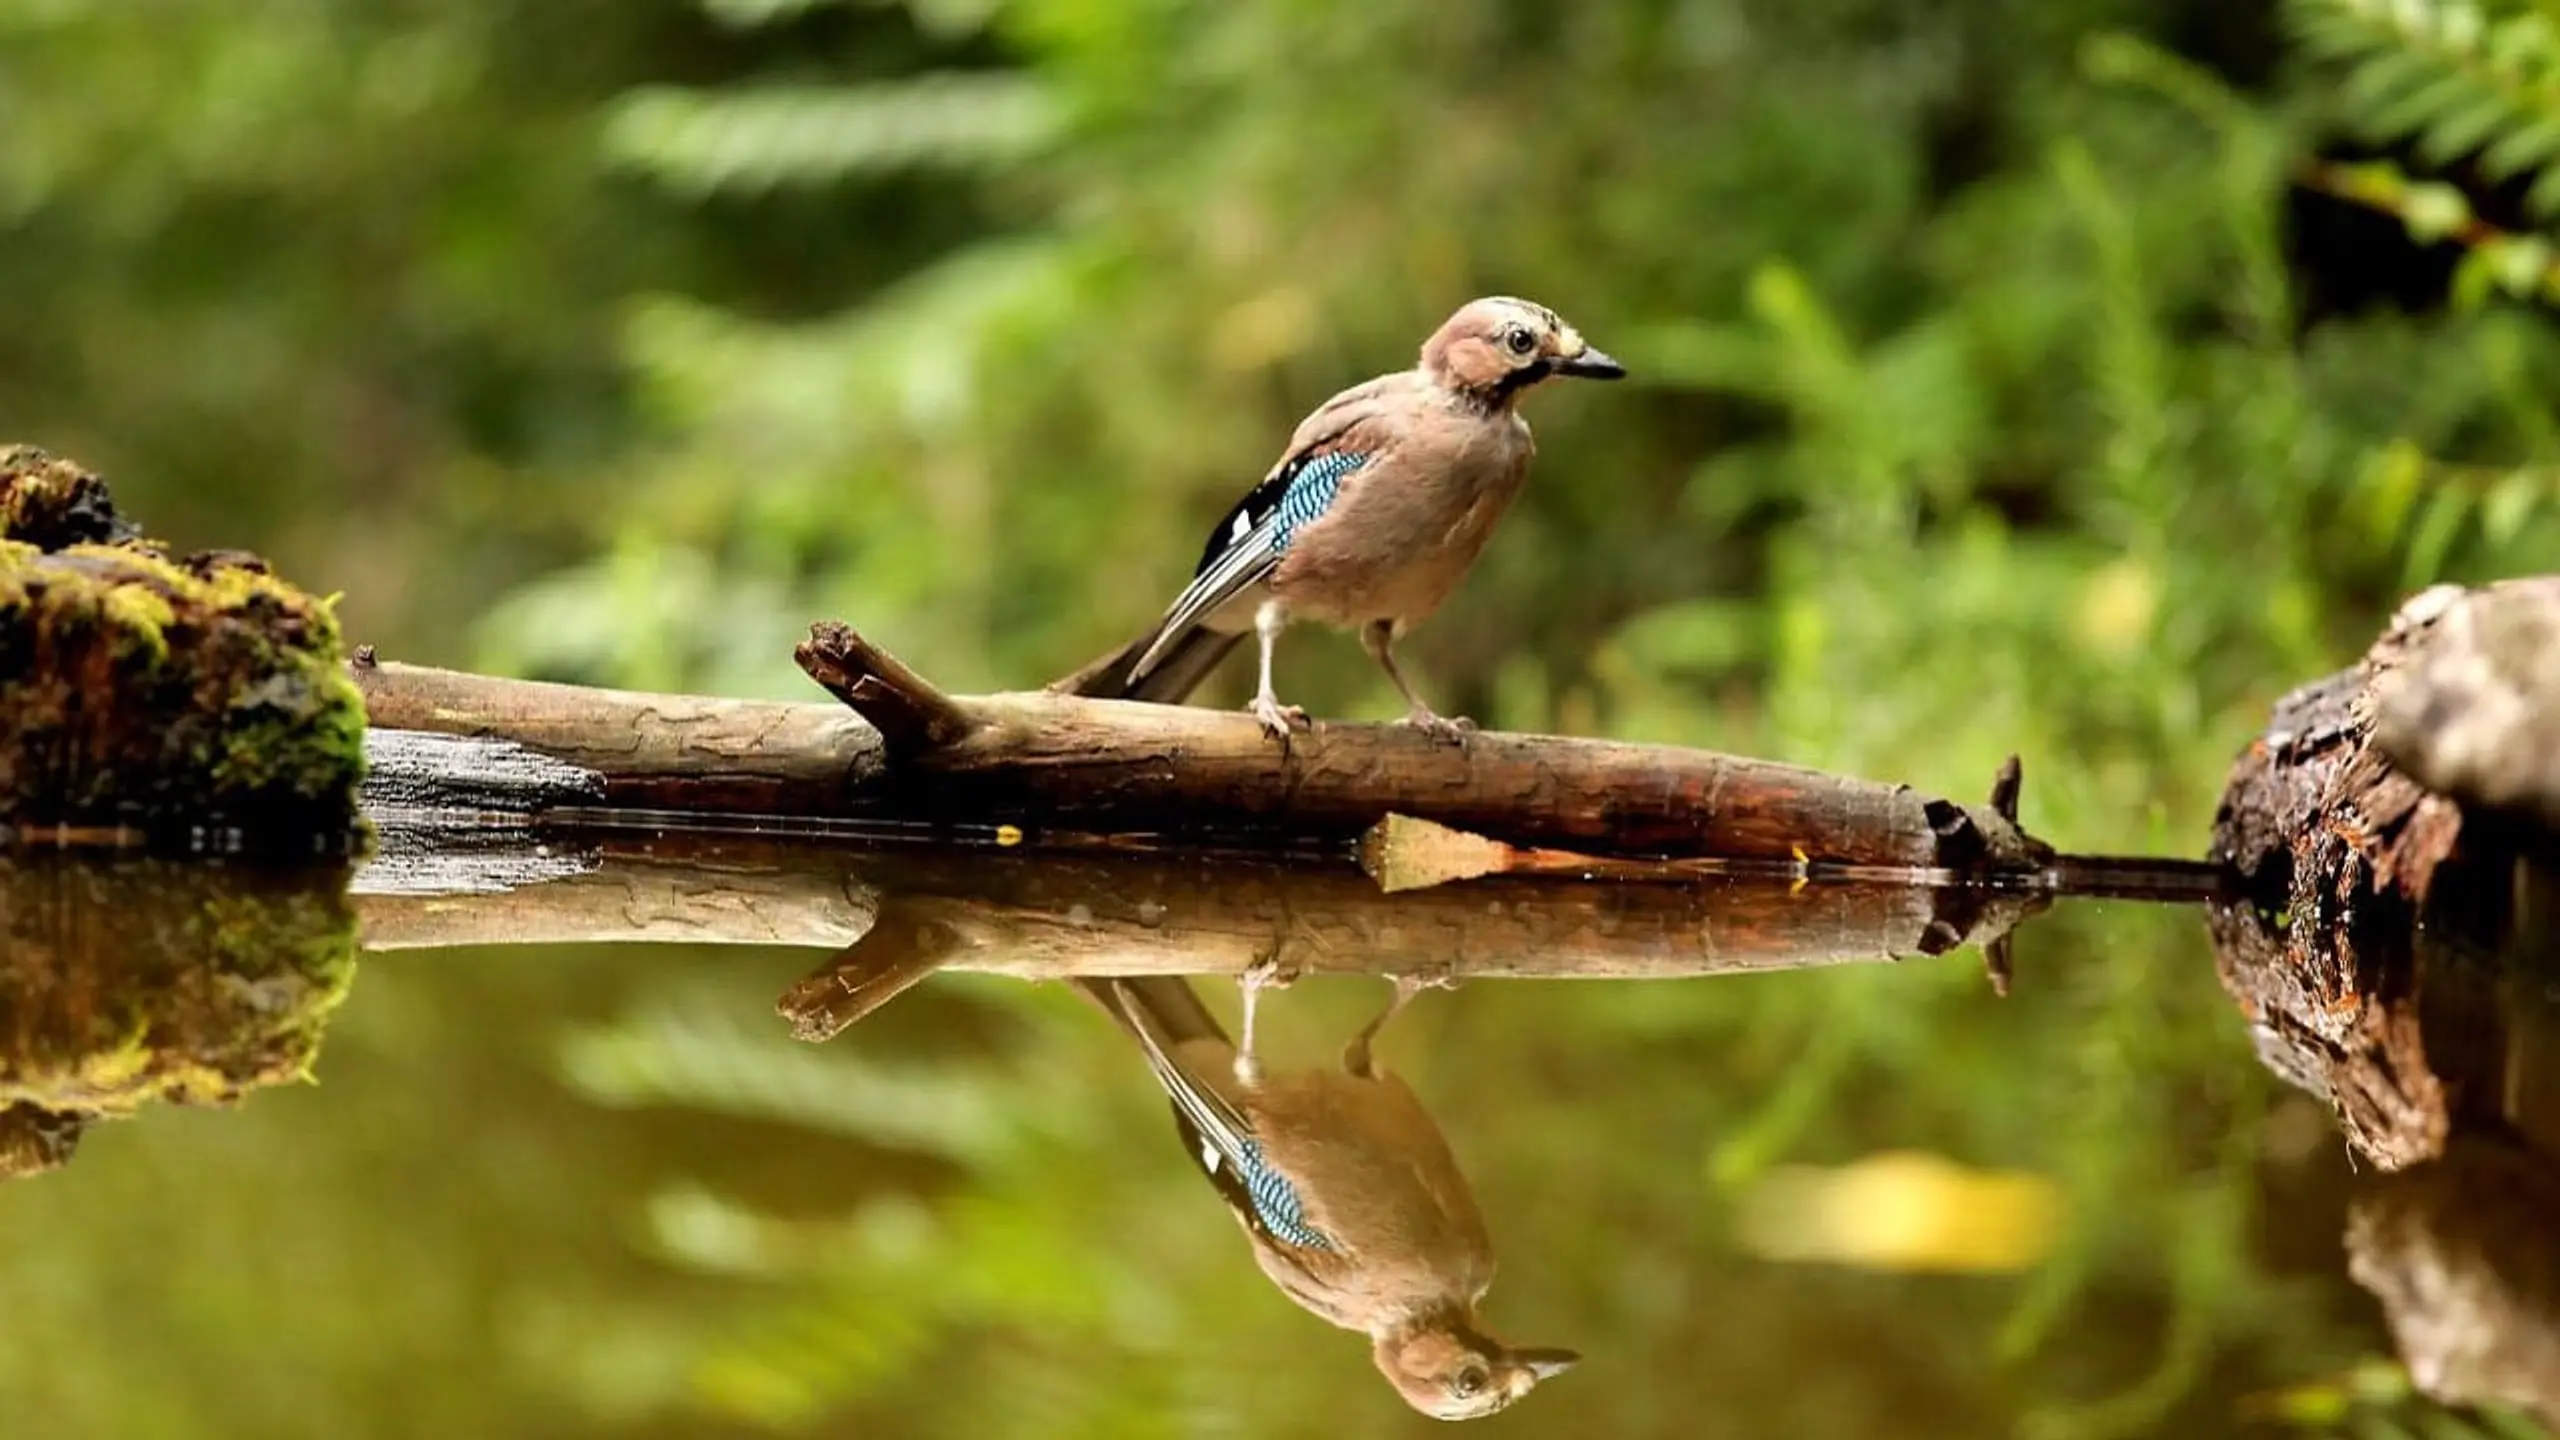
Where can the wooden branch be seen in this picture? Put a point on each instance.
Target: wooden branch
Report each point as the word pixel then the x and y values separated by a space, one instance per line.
pixel 884 965
pixel 909 713
pixel 1046 762
pixel 675 752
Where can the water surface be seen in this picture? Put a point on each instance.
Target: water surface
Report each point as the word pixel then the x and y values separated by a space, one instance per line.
pixel 576 1164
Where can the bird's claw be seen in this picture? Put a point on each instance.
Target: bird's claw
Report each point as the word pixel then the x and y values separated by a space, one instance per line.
pixel 1447 729
pixel 1278 719
pixel 1265 973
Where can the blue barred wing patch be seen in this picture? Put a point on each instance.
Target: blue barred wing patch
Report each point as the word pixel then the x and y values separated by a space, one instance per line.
pixel 1249 542
pixel 1310 494
pixel 1290 499
pixel 1276 1203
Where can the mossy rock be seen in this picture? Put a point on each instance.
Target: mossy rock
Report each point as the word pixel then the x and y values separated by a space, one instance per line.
pixel 130 982
pixel 53 504
pixel 198 698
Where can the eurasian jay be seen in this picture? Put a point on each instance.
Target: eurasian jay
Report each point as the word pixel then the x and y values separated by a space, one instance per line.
pixel 1386 495
pixel 1347 1193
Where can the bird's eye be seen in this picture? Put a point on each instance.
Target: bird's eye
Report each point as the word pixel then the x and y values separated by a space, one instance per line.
pixel 1468 1383
pixel 1520 341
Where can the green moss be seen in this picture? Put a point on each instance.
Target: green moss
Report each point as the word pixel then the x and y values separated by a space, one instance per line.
pixel 131 982
pixel 171 696
pixel 52 503
pixel 139 618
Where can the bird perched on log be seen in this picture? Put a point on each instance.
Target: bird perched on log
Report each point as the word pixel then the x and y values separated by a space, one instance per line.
pixel 1346 1191
pixel 1383 499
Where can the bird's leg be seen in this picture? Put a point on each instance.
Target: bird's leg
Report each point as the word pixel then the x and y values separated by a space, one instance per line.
pixel 1378 637
pixel 1277 719
pixel 1355 1056
pixel 1263 974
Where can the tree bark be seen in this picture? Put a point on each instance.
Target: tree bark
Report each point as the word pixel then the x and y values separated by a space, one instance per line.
pixel 2399 837
pixel 2363 882
pixel 1044 762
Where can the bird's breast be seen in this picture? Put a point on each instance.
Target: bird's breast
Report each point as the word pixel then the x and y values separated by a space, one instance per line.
pixel 1399 540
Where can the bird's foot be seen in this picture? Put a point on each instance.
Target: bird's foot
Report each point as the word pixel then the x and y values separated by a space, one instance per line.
pixel 1269 973
pixel 1439 976
pixel 1278 719
pixel 1266 973
pixel 1357 1057
pixel 1447 729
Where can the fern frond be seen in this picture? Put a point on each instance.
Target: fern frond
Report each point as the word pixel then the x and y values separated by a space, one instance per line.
pixel 935 17
pixel 2454 78
pixel 755 14
pixel 745 141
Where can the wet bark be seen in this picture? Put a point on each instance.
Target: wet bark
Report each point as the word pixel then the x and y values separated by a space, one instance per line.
pixel 899 751
pixel 2345 851
pixel 2399 958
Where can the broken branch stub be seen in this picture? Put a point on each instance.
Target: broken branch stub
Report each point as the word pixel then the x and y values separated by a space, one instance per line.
pixel 1108 764
pixel 908 711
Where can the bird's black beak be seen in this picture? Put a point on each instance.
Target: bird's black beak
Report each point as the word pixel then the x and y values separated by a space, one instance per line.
pixel 1591 364
pixel 1547 1364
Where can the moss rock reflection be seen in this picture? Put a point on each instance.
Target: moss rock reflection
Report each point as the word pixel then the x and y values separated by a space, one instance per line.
pixel 126 983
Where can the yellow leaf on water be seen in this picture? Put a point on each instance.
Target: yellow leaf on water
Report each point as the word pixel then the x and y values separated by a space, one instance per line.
pixel 2117 605
pixel 1903 1210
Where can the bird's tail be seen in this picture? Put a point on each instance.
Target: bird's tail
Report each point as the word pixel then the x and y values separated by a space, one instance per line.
pixel 1158 1009
pixel 1165 1015
pixel 1186 663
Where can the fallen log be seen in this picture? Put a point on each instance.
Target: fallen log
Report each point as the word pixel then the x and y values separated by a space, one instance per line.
pixel 900 751
pixel 2470 709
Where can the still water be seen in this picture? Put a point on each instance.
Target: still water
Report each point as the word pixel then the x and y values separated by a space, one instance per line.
pixel 728 1137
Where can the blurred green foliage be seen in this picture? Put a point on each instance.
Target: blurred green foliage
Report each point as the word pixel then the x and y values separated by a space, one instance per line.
pixel 2059 378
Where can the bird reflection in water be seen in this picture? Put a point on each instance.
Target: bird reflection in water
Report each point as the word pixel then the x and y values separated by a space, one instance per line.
pixel 1347 1193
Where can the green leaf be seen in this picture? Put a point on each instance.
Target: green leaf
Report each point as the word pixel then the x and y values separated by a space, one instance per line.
pixel 2461 131
pixel 2425 105
pixel 756 14
pixel 2475 280
pixel 2526 147
pixel 2509 504
pixel 761 139
pixel 2433 210
pixel 2524 264
pixel 2387 76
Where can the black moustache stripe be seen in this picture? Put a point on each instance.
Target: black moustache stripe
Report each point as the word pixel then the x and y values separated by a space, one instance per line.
pixel 1525 376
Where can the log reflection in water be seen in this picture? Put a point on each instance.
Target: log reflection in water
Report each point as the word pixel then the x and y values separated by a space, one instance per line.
pixel 898 915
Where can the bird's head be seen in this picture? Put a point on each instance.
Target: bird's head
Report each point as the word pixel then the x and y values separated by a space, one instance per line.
pixel 1496 348
pixel 1450 1372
